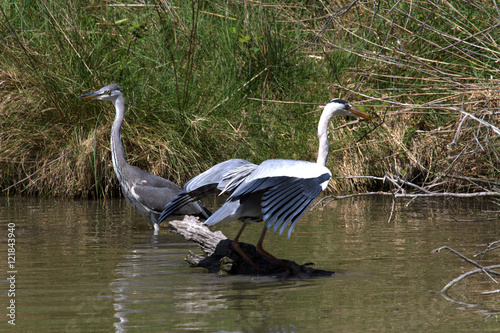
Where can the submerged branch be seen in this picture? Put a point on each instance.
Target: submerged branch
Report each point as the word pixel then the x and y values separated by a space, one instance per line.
pixel 488 270
pixel 463 276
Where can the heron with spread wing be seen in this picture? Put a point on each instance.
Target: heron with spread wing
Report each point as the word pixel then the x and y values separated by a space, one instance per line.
pixel 147 193
pixel 277 191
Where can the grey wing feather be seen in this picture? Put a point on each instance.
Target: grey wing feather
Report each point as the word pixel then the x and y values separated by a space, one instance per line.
pixel 258 184
pixel 221 214
pixel 178 202
pixel 150 190
pixel 273 172
pixel 231 180
pixel 213 176
pixel 155 198
pixel 229 173
pixel 287 202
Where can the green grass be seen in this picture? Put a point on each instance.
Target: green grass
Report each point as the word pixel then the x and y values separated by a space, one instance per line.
pixel 205 82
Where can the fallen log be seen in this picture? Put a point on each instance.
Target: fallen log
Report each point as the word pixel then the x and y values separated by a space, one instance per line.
pixel 219 256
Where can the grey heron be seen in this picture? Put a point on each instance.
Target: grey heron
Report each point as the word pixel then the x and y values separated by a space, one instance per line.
pixel 278 191
pixel 147 193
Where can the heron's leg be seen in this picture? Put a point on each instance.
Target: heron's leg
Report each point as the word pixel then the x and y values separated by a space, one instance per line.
pixel 269 255
pixel 237 248
pixel 156 228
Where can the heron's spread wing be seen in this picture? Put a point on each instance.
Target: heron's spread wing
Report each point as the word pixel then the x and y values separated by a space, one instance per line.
pixel 285 203
pixel 272 172
pixel 211 178
pixel 284 199
pixel 232 179
pixel 288 188
pixel 224 176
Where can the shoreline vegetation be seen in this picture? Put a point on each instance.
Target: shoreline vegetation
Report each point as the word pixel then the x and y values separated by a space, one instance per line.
pixel 205 82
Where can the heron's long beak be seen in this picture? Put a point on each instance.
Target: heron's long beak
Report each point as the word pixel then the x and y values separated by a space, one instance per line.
pixel 92 95
pixel 361 114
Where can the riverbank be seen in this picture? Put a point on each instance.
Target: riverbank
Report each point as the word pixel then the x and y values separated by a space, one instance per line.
pixel 205 82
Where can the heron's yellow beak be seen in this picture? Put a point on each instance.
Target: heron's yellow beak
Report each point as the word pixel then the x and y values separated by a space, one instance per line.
pixel 361 114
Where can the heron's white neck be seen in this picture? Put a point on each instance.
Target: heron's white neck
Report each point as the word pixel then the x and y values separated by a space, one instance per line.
pixel 323 137
pixel 117 151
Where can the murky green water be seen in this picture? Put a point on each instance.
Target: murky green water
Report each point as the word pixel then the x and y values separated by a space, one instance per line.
pixel 85 266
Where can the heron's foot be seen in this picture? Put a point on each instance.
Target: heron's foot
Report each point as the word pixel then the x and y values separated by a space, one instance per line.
pixel 237 248
pixel 226 260
pixel 273 258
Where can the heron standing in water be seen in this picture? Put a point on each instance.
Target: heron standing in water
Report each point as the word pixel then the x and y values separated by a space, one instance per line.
pixel 146 192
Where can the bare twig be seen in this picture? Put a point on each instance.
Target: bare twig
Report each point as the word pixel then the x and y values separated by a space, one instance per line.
pixel 490 247
pixel 482 122
pixel 400 193
pixel 476 220
pixel 463 276
pixel 414 195
pixel 488 270
pixel 457 132
pixel 491 292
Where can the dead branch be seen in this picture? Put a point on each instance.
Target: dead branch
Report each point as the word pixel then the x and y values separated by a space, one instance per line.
pixel 488 270
pixel 476 220
pixel 194 230
pixel 220 257
pixel 489 247
pixel 463 276
pixel 482 122
pixel 409 195
pixel 449 194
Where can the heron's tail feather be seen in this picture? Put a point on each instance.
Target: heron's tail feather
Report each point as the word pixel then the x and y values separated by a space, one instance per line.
pixel 179 201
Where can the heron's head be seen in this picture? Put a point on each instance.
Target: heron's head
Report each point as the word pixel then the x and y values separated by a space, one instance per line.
pixel 107 93
pixel 339 107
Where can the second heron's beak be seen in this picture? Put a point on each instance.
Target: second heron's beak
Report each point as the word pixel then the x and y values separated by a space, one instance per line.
pixel 92 95
pixel 361 114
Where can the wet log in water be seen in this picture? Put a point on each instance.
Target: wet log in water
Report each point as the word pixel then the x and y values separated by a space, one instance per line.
pixel 220 257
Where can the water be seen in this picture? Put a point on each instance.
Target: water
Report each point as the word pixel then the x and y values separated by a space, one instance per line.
pixel 87 266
